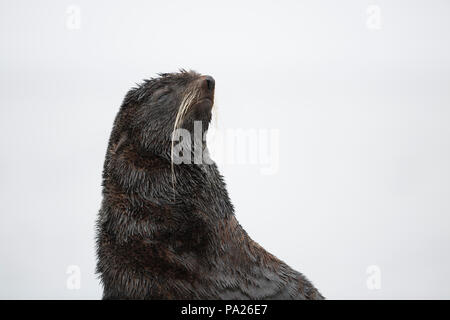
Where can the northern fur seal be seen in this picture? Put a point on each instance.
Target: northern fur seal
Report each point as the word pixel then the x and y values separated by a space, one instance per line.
pixel 168 231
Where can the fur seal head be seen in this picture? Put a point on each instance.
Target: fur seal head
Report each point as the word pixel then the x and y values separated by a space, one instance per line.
pixel 153 110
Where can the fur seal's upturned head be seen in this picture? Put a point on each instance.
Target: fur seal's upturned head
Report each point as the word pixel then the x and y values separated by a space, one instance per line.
pixel 153 110
pixel 164 239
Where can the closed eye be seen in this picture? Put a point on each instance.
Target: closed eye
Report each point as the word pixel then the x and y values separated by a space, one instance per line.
pixel 163 95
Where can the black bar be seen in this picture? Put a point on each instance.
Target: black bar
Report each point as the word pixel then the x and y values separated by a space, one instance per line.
pixel 362 309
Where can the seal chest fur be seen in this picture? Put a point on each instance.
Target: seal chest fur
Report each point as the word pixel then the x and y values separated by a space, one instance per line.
pixel 167 229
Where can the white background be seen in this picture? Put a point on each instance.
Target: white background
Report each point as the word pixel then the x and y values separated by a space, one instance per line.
pixel 362 112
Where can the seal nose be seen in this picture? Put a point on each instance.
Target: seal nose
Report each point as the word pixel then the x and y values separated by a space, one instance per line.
pixel 209 83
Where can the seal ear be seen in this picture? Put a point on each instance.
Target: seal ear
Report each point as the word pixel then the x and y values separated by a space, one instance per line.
pixel 116 147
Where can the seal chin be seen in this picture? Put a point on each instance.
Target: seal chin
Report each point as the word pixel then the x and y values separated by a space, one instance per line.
pixel 203 105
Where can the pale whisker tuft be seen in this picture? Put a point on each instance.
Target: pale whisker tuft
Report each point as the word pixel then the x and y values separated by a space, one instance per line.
pixel 189 98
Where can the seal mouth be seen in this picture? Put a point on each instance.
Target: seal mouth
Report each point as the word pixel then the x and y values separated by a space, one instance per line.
pixel 205 99
pixel 203 104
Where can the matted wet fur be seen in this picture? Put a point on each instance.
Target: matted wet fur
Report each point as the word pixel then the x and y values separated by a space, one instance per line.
pixel 165 238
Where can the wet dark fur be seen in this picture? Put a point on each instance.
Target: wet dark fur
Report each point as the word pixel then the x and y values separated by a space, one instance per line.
pixel 159 241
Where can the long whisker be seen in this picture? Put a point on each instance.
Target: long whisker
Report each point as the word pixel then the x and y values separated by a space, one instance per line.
pixel 187 101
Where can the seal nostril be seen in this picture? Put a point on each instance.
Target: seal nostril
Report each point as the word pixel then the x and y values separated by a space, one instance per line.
pixel 210 83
